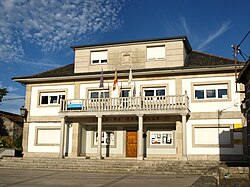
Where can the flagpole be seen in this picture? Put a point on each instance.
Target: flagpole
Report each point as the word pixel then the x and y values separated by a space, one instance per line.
pixel 121 90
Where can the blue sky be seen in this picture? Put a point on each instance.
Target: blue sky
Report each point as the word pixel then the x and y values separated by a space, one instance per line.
pixel 36 36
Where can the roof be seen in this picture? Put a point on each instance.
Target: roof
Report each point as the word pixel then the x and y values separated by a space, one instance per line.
pixel 199 59
pixel 183 38
pixel 13 117
pixel 66 70
pixel 194 59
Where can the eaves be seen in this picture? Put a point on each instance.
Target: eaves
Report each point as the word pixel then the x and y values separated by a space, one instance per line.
pixel 136 73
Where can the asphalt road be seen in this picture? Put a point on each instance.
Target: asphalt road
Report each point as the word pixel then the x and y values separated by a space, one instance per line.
pixel 40 178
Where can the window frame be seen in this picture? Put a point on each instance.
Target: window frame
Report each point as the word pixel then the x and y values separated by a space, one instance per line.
pixel 155 91
pixel 155 58
pixel 46 128
pixel 210 84
pixel 99 59
pixel 215 126
pixel 99 91
pixel 49 94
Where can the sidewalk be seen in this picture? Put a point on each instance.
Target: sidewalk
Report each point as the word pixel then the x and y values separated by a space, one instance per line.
pixel 38 178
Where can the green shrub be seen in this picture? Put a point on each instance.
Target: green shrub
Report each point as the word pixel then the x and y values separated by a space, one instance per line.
pixel 18 143
pixel 6 142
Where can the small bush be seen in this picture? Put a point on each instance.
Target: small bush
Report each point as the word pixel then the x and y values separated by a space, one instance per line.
pixel 6 142
pixel 18 143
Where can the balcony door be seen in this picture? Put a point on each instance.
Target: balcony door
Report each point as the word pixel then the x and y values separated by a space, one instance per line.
pixel 125 98
pixel 154 98
pixel 154 91
pixel 98 99
pixel 131 144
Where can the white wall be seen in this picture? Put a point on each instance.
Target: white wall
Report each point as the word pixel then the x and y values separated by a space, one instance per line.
pixel 138 84
pixel 118 150
pixel 237 149
pixel 31 138
pixel 160 151
pixel 212 106
pixel 36 110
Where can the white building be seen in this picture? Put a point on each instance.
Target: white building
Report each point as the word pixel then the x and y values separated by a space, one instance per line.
pixel 180 104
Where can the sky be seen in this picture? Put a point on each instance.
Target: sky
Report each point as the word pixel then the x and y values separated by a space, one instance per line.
pixel 35 36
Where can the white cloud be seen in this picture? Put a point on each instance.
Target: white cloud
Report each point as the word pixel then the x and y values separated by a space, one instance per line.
pixel 212 36
pixel 41 62
pixel 10 104
pixel 53 24
pixel 184 24
pixel 9 88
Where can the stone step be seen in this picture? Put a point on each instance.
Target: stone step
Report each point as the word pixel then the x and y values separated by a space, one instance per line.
pixel 114 162
pixel 161 167
pixel 112 170
pixel 94 164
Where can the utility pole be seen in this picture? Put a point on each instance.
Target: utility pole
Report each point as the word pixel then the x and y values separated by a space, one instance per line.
pixel 236 50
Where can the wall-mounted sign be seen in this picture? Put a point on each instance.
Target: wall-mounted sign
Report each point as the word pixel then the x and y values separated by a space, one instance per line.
pixel 238 127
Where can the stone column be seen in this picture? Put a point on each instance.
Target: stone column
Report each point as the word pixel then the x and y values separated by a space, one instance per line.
pixel 99 130
pixel 75 140
pixel 184 136
pixel 178 140
pixel 66 143
pixel 62 135
pixel 25 137
pixel 140 138
pixel 26 122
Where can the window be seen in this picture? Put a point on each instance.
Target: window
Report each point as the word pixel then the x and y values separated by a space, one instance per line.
pixel 154 91
pixel 219 91
pixel 48 136
pixel 99 57
pixel 161 138
pixel 156 53
pixel 108 138
pixel 51 98
pixel 212 136
pixel 125 93
pixel 99 94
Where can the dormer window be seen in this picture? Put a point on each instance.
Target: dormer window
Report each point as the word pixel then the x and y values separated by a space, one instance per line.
pixel 99 57
pixel 156 53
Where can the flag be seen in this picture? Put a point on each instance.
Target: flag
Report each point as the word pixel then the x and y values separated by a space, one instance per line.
pixel 115 79
pixel 101 80
pixel 130 77
pixel 134 90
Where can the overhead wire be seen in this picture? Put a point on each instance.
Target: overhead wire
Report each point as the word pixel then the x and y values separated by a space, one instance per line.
pixel 243 39
pixel 241 53
pixel 9 99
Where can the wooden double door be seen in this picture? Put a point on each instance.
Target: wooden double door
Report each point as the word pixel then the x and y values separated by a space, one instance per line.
pixel 131 144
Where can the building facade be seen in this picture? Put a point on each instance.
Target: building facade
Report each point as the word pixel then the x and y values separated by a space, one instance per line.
pixel 169 102
pixel 244 78
pixel 11 125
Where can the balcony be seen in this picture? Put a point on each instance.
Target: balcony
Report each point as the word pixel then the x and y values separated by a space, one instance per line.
pixel 172 104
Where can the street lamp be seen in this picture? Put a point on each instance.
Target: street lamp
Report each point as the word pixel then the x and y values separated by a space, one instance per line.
pixel 23 112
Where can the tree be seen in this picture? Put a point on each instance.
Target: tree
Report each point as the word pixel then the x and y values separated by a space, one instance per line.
pixel 3 92
pixel 3 130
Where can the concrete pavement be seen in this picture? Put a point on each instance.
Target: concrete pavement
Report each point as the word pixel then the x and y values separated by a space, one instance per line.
pixel 41 178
